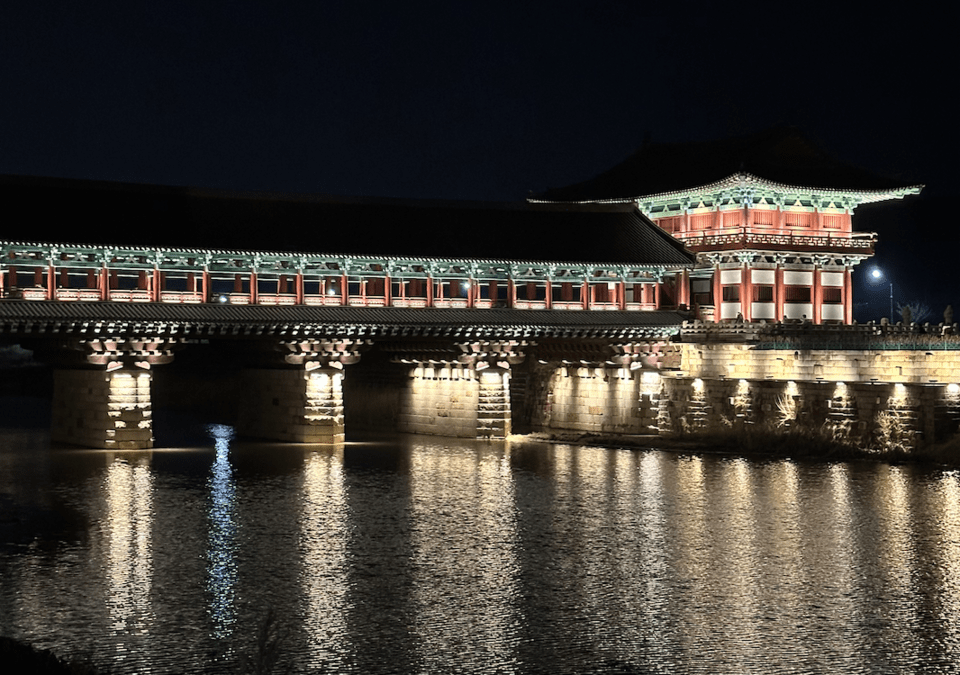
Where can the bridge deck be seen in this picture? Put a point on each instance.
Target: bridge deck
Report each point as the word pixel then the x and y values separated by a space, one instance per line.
pixel 37 319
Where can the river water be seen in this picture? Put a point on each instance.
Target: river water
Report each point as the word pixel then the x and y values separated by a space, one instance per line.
pixel 425 555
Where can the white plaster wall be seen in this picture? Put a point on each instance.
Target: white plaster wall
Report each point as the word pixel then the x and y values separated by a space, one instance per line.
pixel 729 310
pixel 795 278
pixel 797 310
pixel 729 276
pixel 762 310
pixel 831 279
pixel 763 277
pixel 831 312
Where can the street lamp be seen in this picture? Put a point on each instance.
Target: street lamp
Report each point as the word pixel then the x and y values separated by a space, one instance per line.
pixel 877 274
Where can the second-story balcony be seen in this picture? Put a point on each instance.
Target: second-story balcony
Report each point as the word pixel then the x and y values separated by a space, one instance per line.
pixel 727 239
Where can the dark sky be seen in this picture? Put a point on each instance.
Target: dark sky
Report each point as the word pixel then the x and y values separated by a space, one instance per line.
pixel 458 100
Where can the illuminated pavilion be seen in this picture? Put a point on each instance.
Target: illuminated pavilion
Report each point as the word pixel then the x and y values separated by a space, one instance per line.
pixel 769 216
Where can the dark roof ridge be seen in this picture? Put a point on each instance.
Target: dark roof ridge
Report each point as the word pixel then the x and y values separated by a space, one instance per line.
pixel 783 154
pixel 152 189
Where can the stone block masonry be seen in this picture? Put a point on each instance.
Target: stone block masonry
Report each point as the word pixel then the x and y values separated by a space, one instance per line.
pixel 883 399
pixel 98 409
pixel 292 405
pixel 600 399
pixel 906 366
pixel 449 400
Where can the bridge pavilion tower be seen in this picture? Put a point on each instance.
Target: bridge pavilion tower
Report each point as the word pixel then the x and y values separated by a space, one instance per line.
pixel 769 216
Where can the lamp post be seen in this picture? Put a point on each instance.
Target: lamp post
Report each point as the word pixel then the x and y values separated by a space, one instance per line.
pixel 877 274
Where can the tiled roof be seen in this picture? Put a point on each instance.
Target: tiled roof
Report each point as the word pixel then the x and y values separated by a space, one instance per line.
pixel 106 312
pixel 24 320
pixel 781 155
pixel 88 212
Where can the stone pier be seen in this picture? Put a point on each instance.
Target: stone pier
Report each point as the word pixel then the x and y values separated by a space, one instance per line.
pixel 458 401
pixel 595 399
pixel 101 409
pixel 295 405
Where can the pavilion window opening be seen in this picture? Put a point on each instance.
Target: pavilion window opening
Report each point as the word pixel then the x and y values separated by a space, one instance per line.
pixel 331 289
pixel 533 291
pixel 567 292
pixel 731 293
pixel 762 293
pixel 832 295
pixel 796 294
pixel 603 293
pixel 233 288
pixel 701 291
pixel 268 286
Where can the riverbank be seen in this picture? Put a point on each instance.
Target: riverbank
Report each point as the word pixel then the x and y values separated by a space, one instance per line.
pixel 760 444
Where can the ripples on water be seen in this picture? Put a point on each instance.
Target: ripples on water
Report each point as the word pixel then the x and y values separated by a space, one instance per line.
pixel 422 555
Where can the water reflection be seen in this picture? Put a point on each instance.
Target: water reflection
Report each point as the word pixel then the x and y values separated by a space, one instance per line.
pixel 127 525
pixel 945 508
pixel 323 541
pixel 420 555
pixel 464 537
pixel 222 538
pixel 897 563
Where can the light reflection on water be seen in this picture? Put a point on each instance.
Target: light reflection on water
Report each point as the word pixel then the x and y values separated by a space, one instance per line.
pixel 222 546
pixel 323 542
pixel 418 555
pixel 128 527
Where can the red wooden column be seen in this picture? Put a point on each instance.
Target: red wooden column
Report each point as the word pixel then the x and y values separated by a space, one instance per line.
pixel 387 289
pixel 817 293
pixel 206 284
pixel 717 293
pixel 429 291
pixel 2 275
pixel 511 292
pixel 746 292
pixel 104 283
pixel 585 295
pixel 621 294
pixel 51 283
pixel 656 296
pixel 344 289
pixel 298 287
pixel 848 296
pixel 683 288
pixel 548 297
pixel 155 289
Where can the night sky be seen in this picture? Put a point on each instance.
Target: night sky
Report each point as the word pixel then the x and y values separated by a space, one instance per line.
pixel 475 101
